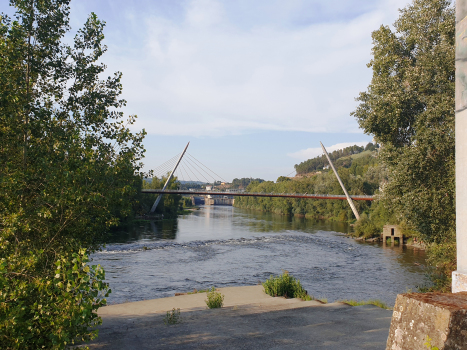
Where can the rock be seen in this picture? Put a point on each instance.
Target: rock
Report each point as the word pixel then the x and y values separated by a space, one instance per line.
pixel 437 318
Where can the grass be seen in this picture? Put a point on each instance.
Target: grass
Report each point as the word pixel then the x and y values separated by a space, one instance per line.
pixel 287 286
pixel 215 299
pixel 375 302
pixel 172 317
pixel 195 291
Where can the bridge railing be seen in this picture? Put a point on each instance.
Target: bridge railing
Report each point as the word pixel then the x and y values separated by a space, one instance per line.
pixel 262 194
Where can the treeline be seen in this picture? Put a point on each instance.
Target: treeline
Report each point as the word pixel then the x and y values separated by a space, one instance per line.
pixel 244 182
pixel 362 177
pixel 320 162
pixel 413 116
pixel 70 169
pixel 168 206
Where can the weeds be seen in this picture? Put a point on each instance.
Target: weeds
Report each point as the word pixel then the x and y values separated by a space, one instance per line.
pixel 195 291
pixel 428 344
pixel 287 286
pixel 215 299
pixel 173 317
pixel 375 302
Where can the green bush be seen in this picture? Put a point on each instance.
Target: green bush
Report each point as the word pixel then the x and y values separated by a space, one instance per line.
pixel 173 317
pixel 70 169
pixel 366 228
pixel 287 286
pixel 215 299
pixel 50 312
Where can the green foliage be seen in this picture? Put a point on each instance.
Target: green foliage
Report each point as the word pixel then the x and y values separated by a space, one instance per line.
pixel 172 317
pixel 441 262
pixel 409 108
pixel 283 178
pixel 169 204
pixel 319 162
pixel 69 170
pixel 244 182
pixel 366 228
pixel 215 299
pixel 362 177
pixel 186 202
pixel 49 310
pixel 375 302
pixel 287 286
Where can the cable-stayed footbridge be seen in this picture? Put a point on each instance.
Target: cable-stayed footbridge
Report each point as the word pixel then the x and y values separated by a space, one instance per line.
pixel 260 194
pixel 192 171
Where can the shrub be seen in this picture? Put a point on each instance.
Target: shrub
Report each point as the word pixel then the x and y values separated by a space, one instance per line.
pixel 287 286
pixel 173 317
pixel 366 228
pixel 215 299
pixel 50 312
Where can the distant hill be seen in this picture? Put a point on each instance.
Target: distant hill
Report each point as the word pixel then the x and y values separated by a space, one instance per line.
pixel 149 180
pixel 192 182
pixel 342 157
pixel 244 182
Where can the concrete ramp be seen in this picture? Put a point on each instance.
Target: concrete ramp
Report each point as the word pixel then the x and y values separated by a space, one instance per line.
pixel 249 320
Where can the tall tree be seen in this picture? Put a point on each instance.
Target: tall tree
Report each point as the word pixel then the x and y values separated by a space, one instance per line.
pixel 68 164
pixel 409 108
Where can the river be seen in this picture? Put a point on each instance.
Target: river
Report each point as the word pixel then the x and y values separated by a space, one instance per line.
pixel 225 246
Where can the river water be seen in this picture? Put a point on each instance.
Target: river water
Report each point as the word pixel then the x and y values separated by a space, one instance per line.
pixel 225 246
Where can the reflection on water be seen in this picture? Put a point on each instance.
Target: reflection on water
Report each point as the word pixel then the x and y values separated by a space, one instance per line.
pixel 146 231
pixel 221 222
pixel 226 246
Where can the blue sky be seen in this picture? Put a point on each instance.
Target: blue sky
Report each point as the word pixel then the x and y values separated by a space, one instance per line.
pixel 253 85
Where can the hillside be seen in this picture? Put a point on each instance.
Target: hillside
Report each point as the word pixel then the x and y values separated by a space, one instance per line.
pixel 342 157
pixel 360 172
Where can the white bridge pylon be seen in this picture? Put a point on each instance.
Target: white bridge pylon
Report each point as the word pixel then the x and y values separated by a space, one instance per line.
pixel 158 199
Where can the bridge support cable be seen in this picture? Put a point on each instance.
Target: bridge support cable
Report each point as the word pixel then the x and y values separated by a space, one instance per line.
pixel 352 206
pixel 183 171
pixel 191 157
pixel 165 168
pixel 189 168
pixel 194 166
pixel 153 209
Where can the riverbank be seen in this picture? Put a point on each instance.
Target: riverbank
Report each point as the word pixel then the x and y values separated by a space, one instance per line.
pixel 250 319
pixel 410 244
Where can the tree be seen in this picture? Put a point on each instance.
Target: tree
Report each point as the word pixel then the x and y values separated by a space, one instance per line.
pixel 69 165
pixel 409 108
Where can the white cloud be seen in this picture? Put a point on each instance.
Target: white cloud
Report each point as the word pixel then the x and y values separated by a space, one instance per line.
pixel 308 153
pixel 207 74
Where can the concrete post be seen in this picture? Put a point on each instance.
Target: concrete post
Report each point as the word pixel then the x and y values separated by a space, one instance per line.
pixel 352 206
pixel 459 277
pixel 158 199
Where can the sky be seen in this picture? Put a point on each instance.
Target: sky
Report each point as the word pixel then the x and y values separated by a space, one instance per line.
pixel 253 85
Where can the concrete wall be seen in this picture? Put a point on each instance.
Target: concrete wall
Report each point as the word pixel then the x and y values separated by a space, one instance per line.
pixel 219 201
pixel 392 231
pixel 460 276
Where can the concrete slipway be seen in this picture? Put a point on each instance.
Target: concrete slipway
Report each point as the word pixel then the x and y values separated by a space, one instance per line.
pixel 250 319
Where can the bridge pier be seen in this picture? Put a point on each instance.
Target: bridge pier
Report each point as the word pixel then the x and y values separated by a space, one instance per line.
pixel 219 201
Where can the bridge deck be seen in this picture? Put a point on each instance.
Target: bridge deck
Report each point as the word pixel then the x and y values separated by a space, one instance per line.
pixel 256 194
